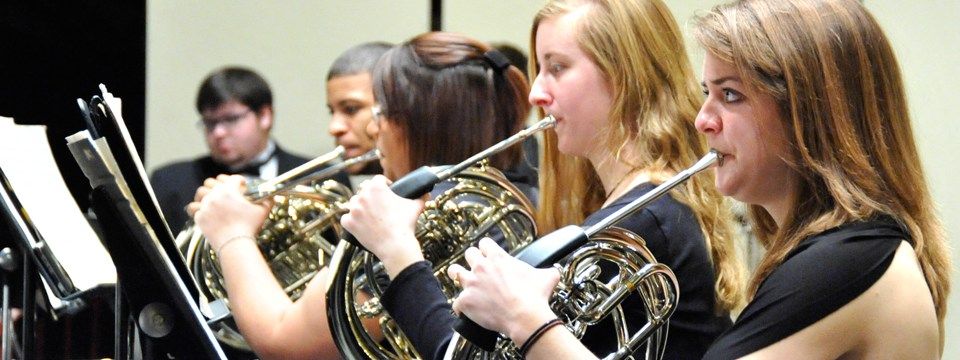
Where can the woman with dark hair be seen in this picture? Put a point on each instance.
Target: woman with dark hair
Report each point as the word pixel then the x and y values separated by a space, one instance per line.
pixel 442 94
pixel 441 98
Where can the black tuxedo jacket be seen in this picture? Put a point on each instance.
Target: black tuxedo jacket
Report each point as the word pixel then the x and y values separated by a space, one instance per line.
pixel 176 184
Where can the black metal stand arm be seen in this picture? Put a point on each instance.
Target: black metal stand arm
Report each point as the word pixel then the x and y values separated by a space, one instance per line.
pixel 167 317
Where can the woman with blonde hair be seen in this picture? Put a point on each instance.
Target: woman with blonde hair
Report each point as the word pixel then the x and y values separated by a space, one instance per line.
pixel 804 100
pixel 616 77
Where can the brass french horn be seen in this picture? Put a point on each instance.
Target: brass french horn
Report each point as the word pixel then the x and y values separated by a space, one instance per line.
pixel 583 297
pixel 296 239
pixel 478 202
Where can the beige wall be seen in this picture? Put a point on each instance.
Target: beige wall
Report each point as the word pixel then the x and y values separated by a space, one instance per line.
pixel 492 21
pixel 926 37
pixel 293 43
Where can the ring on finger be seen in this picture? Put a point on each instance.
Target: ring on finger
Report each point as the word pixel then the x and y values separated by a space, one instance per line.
pixel 456 279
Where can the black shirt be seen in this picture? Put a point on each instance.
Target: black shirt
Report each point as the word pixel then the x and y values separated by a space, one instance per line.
pixel 672 234
pixel 824 273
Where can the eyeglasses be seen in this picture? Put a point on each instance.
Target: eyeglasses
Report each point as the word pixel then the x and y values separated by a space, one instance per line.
pixel 228 121
pixel 377 113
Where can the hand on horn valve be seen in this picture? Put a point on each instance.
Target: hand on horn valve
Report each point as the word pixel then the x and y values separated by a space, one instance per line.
pixel 502 293
pixel 223 213
pixel 385 224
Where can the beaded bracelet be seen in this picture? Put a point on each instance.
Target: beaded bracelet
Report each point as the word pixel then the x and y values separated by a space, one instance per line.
pixel 537 334
pixel 219 250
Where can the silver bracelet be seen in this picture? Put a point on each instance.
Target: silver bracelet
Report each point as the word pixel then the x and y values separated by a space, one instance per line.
pixel 219 250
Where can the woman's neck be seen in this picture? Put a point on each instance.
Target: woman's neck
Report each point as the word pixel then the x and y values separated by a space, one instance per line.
pixel 618 176
pixel 779 208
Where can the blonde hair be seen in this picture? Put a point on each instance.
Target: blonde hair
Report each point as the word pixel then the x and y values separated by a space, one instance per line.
pixel 638 47
pixel 838 86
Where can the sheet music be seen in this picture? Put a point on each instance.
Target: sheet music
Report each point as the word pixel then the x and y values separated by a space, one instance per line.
pixel 98 164
pixel 30 168
pixel 116 106
pixel 114 133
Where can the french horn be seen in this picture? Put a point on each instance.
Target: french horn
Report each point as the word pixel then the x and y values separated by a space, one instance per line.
pixel 595 279
pixel 478 201
pixel 584 297
pixel 297 237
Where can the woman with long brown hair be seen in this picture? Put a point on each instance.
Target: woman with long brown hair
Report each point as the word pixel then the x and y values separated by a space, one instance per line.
pixel 806 101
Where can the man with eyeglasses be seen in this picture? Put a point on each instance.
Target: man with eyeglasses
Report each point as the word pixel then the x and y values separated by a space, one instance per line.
pixel 236 116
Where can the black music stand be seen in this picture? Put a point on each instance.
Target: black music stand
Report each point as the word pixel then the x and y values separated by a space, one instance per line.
pixel 11 264
pixel 102 121
pixel 166 315
pixel 155 290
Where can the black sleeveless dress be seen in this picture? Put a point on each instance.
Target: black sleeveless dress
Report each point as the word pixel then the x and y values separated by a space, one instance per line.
pixel 824 273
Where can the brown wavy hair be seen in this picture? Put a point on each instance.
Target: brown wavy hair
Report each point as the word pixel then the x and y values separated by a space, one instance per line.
pixel 837 83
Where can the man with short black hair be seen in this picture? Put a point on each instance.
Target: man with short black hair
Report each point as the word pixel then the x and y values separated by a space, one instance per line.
pixel 236 109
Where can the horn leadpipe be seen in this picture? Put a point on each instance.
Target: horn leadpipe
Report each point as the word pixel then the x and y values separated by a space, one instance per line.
pixel 422 180
pixel 545 123
pixel 331 170
pixel 704 163
pixel 290 178
pixel 324 173
pixel 554 246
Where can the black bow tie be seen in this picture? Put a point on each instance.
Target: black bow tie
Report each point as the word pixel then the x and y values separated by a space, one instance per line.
pixel 252 169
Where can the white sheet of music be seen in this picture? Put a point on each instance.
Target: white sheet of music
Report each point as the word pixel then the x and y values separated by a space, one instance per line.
pixel 116 105
pixel 29 165
pixel 98 164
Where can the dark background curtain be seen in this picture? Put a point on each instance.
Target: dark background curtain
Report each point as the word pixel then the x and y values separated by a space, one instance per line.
pixel 55 52
pixel 52 53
